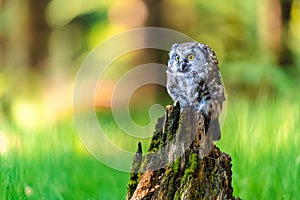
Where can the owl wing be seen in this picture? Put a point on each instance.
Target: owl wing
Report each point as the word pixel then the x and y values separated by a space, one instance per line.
pixel 211 92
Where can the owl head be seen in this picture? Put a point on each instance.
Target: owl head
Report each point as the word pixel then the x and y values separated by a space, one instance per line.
pixel 190 56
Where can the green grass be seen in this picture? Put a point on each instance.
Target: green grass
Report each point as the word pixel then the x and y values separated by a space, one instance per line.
pixel 263 139
pixel 261 136
pixel 52 164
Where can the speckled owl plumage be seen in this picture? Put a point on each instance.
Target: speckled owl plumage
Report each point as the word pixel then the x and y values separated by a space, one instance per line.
pixel 194 80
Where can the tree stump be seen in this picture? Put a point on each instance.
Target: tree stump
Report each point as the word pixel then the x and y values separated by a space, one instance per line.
pixel 182 162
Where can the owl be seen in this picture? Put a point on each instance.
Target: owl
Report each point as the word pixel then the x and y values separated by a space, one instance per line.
pixel 194 80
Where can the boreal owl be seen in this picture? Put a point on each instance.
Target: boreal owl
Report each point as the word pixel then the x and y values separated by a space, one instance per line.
pixel 194 80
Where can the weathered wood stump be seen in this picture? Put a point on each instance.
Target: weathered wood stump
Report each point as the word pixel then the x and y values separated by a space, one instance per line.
pixel 182 162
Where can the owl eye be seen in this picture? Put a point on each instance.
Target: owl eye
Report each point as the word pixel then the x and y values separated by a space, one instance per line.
pixel 176 57
pixel 191 57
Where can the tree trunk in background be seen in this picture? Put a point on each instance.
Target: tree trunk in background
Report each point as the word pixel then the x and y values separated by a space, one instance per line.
pixel 286 57
pixel 154 19
pixel 146 55
pixel 155 11
pixel 274 18
pixel 38 36
pixel 182 162
pixel 2 50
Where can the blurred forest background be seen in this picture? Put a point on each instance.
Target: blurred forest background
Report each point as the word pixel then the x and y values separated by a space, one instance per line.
pixel 43 43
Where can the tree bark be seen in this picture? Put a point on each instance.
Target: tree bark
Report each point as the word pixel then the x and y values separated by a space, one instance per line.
pixel 182 162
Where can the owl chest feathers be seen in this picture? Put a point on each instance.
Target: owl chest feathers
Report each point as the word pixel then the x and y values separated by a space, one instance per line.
pixel 184 87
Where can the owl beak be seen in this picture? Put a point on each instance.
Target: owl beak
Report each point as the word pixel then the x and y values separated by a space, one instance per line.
pixel 183 65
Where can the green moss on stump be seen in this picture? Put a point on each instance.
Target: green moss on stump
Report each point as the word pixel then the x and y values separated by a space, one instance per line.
pixel 192 175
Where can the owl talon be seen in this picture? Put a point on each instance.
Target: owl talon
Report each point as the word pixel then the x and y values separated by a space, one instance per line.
pixel 175 103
